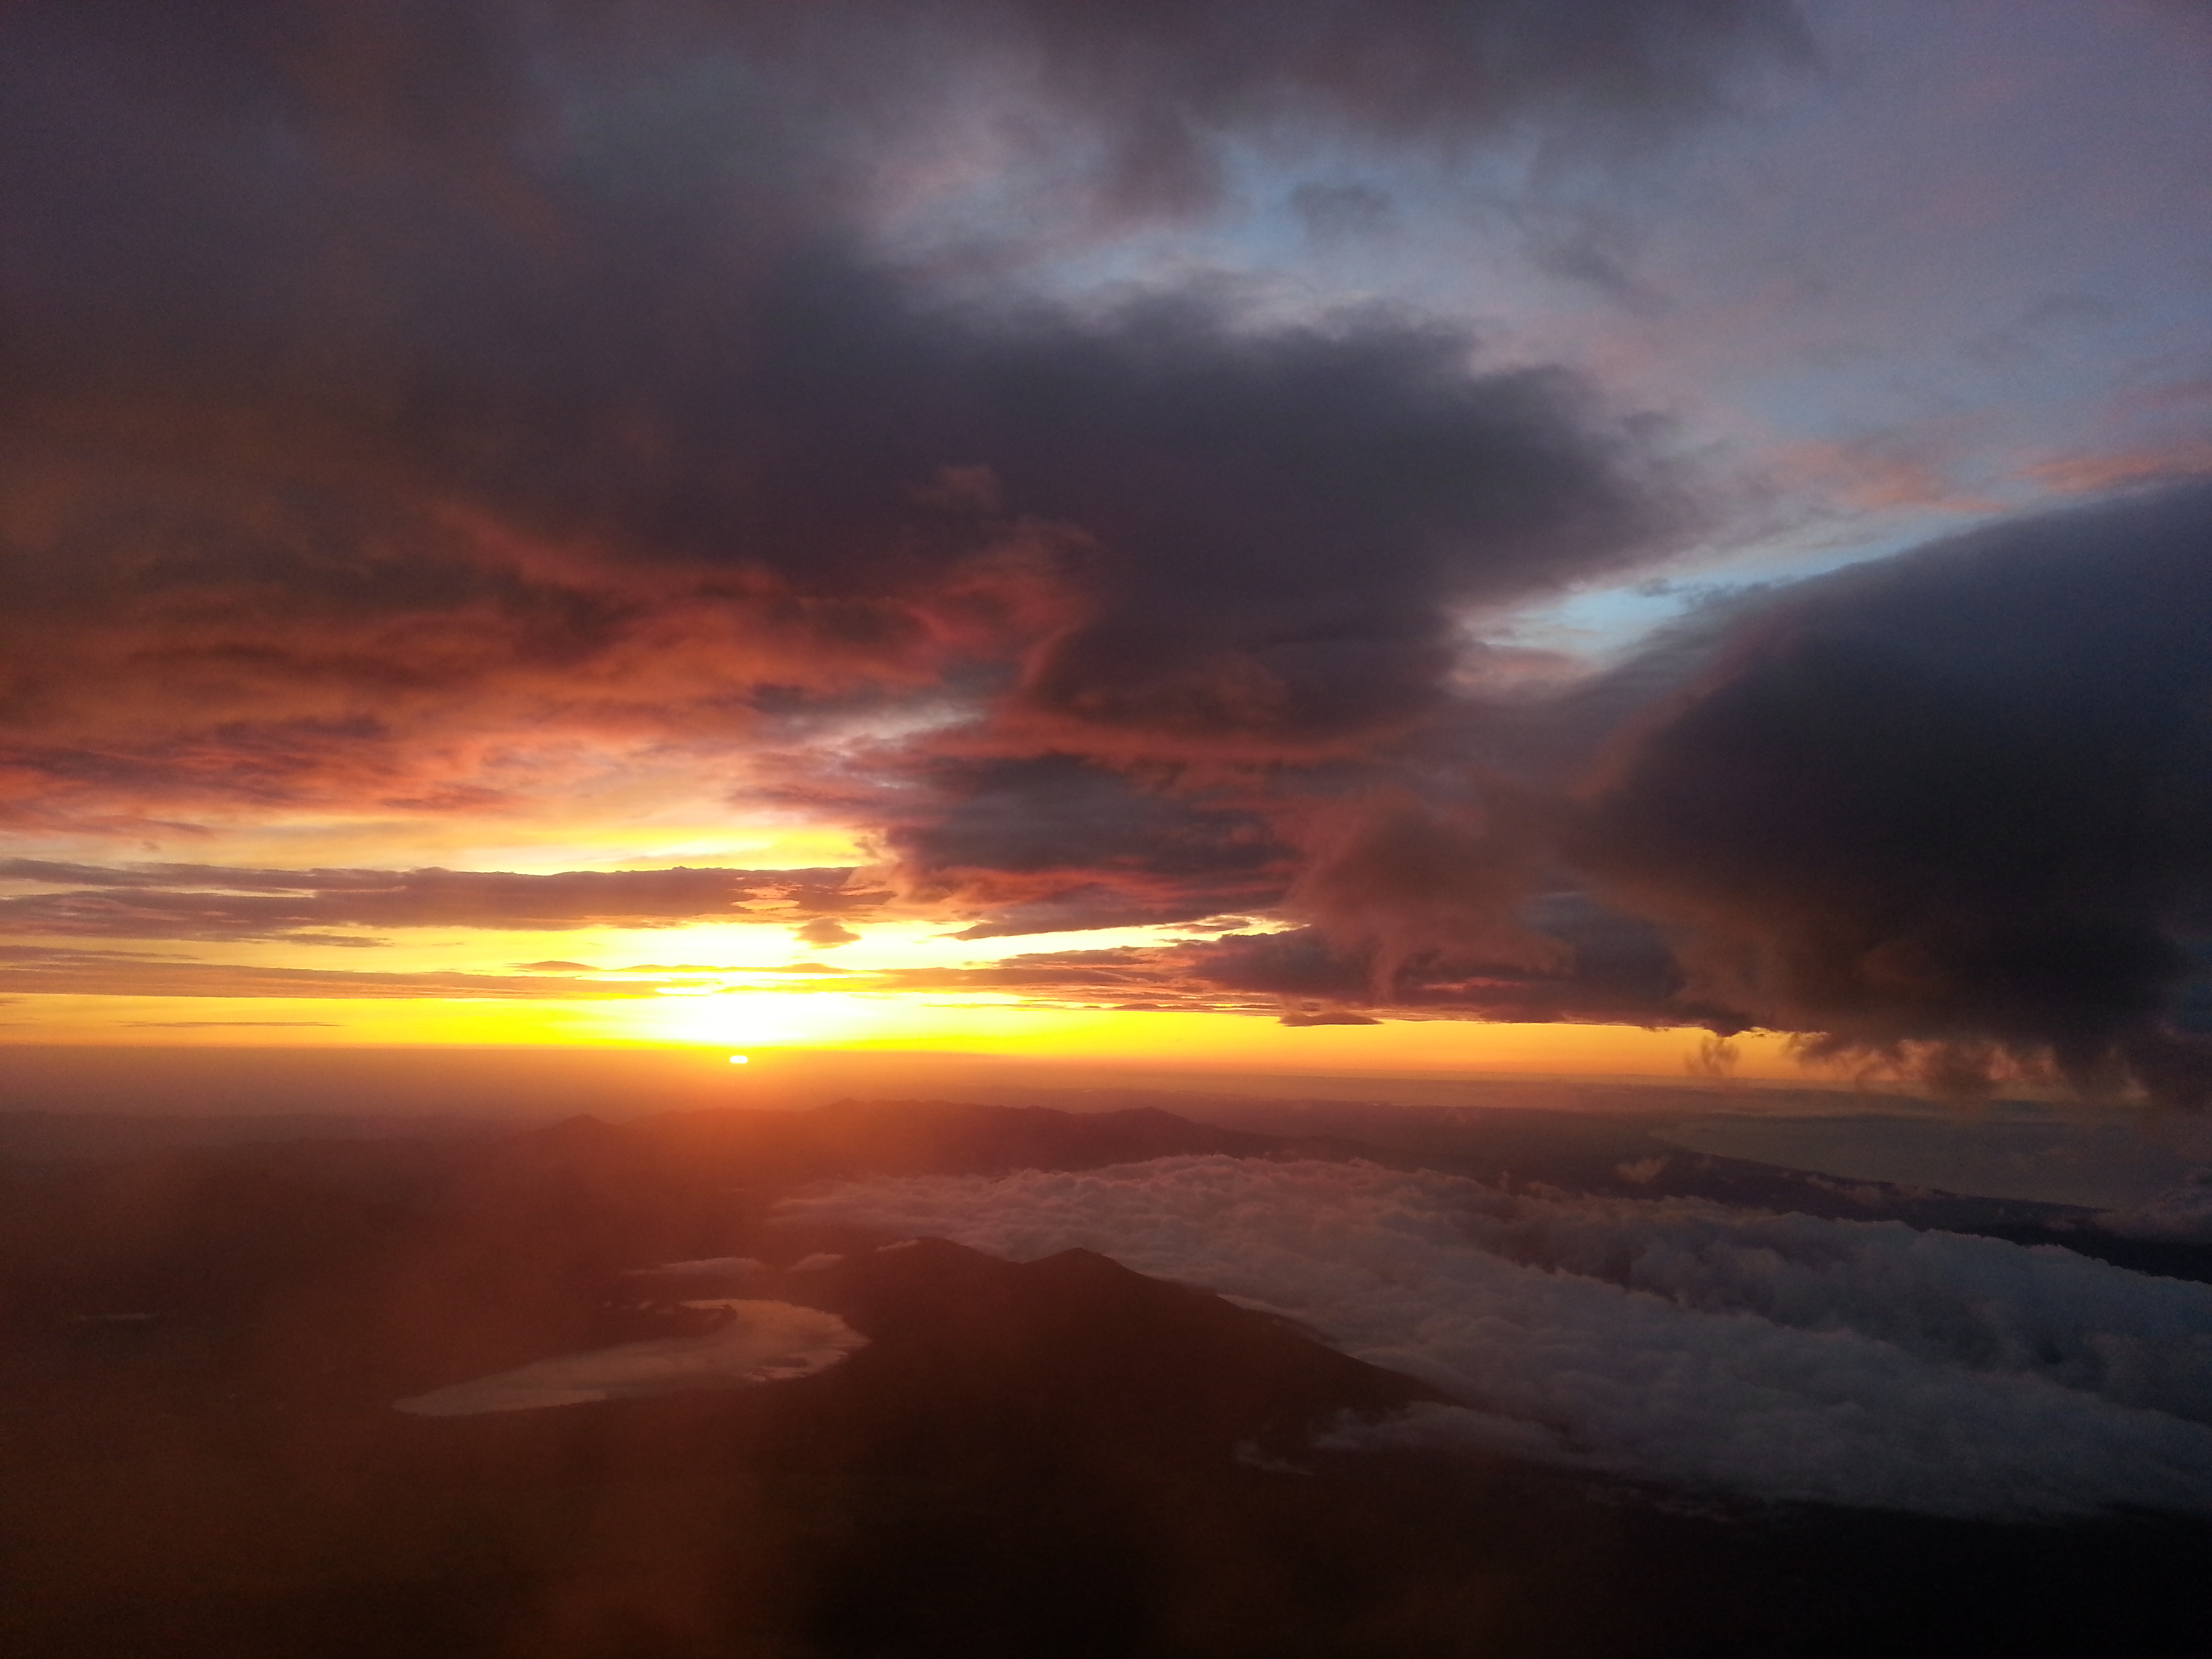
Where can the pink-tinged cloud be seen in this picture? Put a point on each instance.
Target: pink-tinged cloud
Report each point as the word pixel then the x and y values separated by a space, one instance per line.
pixel 203 901
pixel 54 972
pixel 382 442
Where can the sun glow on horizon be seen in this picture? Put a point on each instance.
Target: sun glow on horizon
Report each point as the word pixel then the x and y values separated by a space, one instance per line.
pixel 770 1023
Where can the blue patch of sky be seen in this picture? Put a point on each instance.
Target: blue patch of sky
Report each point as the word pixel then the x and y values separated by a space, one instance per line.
pixel 1953 254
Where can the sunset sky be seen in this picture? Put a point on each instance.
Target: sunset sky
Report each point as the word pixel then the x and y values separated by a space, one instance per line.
pixel 1395 535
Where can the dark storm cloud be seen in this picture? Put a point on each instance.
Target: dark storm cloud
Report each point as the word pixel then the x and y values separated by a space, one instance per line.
pixel 379 379
pixel 1954 810
pixel 1052 844
pixel 1207 542
pixel 1297 964
pixel 1948 813
pixel 1282 521
pixel 1598 966
pixel 204 901
pixel 1401 881
pixel 1095 904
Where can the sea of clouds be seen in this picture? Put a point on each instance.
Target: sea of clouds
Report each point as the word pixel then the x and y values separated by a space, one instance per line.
pixel 1774 1357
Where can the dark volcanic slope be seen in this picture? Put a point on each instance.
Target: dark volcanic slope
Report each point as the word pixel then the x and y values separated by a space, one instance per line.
pixel 1009 1463
pixel 1077 1335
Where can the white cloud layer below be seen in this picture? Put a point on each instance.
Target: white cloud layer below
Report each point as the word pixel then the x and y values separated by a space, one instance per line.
pixel 762 1342
pixel 1777 1357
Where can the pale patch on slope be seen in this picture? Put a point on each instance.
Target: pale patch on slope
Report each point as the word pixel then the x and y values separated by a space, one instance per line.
pixel 761 1342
